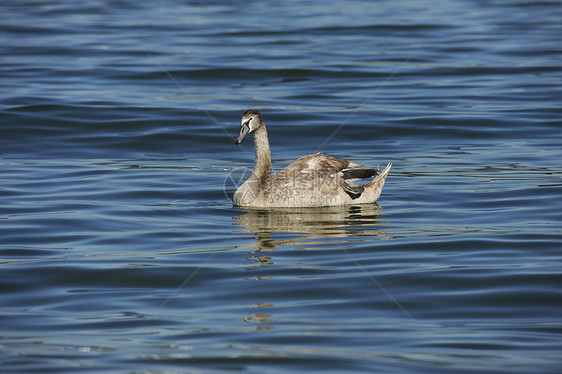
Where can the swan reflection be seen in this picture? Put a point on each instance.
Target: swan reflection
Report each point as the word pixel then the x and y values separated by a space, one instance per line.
pixel 301 228
pixel 310 228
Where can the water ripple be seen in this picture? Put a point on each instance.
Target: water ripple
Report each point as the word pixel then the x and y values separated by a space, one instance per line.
pixel 120 248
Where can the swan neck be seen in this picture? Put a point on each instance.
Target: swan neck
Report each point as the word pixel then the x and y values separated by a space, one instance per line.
pixel 263 154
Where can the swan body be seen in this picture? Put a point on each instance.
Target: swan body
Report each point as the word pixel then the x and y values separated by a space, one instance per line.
pixel 314 180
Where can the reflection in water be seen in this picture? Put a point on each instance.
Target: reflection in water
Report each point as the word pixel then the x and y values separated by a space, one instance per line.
pixel 307 227
pixel 261 318
pixel 304 228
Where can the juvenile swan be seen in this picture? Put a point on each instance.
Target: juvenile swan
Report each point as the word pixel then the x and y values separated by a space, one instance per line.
pixel 311 181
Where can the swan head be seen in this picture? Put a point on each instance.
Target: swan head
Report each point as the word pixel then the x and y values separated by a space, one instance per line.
pixel 251 121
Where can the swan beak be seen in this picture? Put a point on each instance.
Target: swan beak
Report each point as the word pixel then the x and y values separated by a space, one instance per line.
pixel 244 130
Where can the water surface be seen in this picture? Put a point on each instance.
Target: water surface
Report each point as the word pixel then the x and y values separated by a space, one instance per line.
pixel 120 250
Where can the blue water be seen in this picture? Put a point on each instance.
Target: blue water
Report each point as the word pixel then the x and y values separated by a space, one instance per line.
pixel 119 247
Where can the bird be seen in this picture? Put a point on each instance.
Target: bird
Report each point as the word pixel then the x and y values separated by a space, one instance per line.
pixel 314 180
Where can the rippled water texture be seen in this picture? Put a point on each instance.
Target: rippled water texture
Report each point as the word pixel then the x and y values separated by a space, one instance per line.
pixel 119 247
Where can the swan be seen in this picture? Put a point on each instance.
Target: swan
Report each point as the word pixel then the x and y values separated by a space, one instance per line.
pixel 315 180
